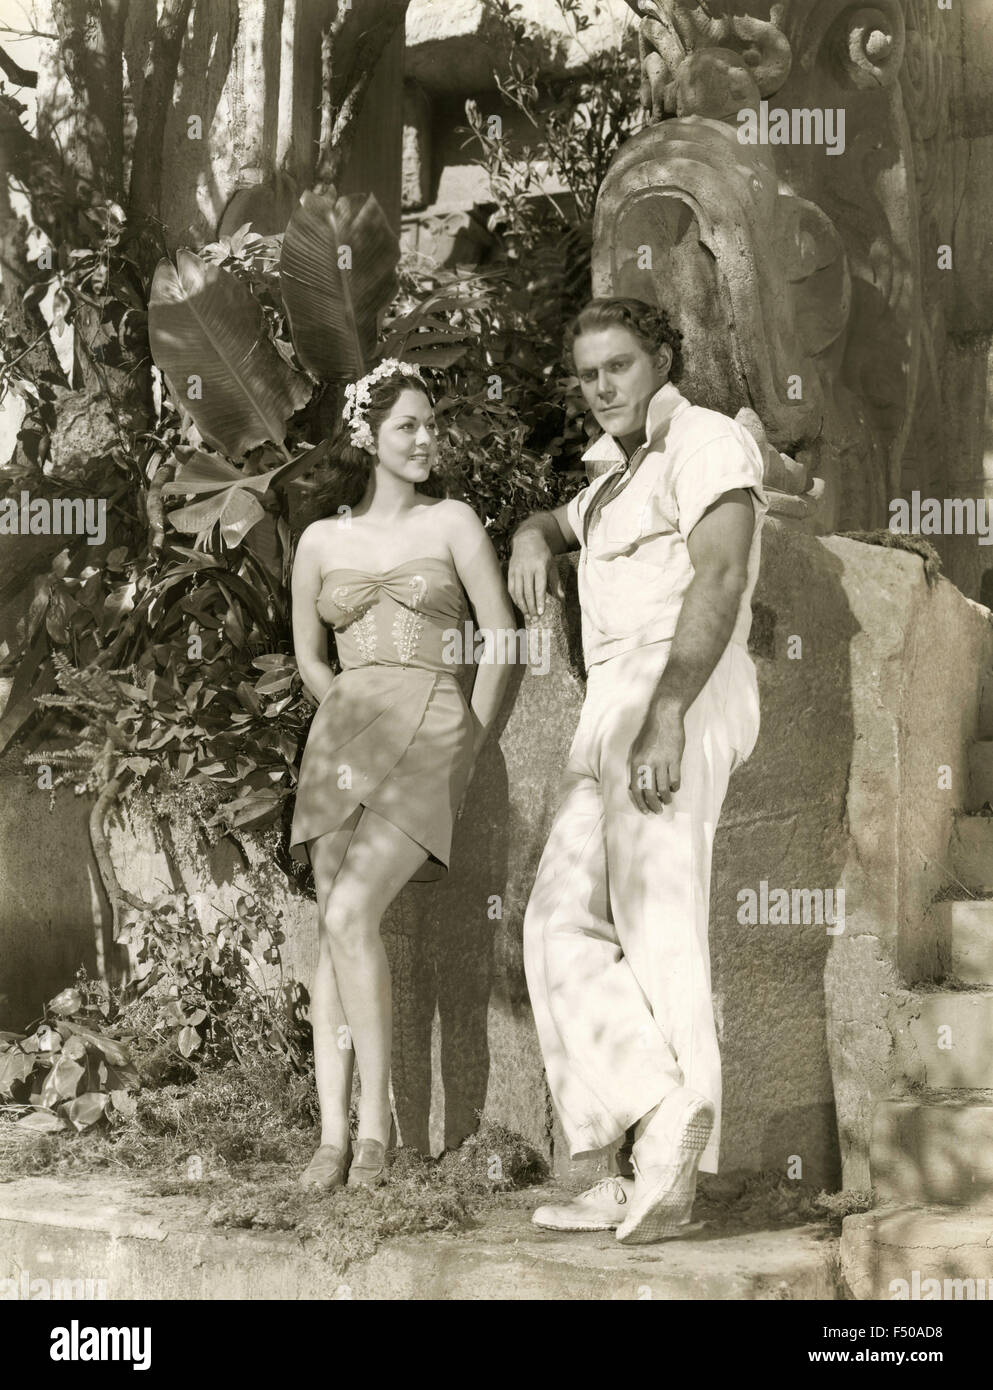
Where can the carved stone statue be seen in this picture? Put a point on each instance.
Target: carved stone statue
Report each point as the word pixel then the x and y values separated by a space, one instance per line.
pixel 780 204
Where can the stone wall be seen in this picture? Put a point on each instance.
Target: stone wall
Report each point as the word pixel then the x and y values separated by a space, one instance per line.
pixel 842 791
pixel 453 50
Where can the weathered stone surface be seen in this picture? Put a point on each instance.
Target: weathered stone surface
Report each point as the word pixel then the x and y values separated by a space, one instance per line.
pixel 158 1248
pixel 454 45
pixel 50 909
pixel 890 1253
pixel 951 1039
pixel 447 237
pixel 415 171
pixel 775 257
pixel 913 655
pixel 965 939
pixel 972 853
pixel 932 1149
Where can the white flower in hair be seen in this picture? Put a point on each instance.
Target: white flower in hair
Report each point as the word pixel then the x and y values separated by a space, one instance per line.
pixel 358 398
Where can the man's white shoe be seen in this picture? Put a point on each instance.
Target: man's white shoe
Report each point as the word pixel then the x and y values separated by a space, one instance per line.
pixel 665 1161
pixel 601 1207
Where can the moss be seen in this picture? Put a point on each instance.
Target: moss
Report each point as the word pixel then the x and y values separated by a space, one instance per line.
pixel 768 1201
pixel 898 540
pixel 235 1142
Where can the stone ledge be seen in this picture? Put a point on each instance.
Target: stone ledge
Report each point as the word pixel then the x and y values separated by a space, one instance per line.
pixel 453 45
pixel 915 1243
pixel 157 1248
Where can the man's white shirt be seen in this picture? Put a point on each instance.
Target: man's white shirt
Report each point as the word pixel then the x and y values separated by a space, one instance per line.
pixel 635 567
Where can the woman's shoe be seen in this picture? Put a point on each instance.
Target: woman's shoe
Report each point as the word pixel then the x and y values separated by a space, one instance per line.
pixel 326 1169
pixel 368 1165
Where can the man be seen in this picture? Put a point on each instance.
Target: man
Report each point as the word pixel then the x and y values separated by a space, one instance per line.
pixel 615 936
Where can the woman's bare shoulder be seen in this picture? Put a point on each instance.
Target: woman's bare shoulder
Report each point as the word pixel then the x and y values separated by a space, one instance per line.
pixel 458 515
pixel 316 544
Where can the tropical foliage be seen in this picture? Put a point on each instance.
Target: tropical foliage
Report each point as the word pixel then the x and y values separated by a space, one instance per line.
pixel 206 994
pixel 197 398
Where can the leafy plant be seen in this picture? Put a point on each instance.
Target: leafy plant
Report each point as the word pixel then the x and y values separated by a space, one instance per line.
pixel 195 988
pixel 197 402
pixel 70 1071
pixel 194 992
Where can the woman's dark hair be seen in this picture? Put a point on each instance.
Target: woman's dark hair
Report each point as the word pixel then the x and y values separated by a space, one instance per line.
pixel 347 475
pixel 649 324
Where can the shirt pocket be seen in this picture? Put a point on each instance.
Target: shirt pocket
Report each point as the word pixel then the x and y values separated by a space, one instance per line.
pixel 633 522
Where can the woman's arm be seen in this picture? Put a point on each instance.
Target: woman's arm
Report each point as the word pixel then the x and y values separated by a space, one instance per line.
pixel 479 570
pixel 310 643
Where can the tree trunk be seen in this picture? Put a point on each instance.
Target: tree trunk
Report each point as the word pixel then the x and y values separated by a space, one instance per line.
pixel 91 34
pixel 352 47
pixel 153 105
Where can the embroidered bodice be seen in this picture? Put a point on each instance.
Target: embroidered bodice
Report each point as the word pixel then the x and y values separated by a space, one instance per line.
pixel 398 617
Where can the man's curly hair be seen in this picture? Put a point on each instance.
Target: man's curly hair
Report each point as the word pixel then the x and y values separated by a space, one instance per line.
pixel 649 324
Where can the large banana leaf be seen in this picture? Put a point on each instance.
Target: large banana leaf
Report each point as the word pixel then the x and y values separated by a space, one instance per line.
pixel 334 312
pixel 228 495
pixel 204 322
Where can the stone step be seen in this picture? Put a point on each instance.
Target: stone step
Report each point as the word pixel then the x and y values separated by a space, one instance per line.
pixel 972 852
pixel 934 1148
pixel 980 773
pixel 951 1040
pixel 130 1244
pixel 892 1253
pixel 965 931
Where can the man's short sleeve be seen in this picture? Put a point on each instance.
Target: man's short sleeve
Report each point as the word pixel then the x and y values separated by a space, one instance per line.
pixel 719 466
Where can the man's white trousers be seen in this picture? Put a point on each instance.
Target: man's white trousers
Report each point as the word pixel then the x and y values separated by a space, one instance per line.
pixel 616 946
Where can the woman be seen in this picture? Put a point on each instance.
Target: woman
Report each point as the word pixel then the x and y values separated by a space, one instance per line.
pixel 393 743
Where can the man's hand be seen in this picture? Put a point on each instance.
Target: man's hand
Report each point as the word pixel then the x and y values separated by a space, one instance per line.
pixel 655 759
pixel 532 573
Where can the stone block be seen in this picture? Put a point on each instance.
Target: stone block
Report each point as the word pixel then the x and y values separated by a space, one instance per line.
pixel 972 852
pixel 89 1230
pixel 455 45
pixel 416 172
pixel 965 929
pixel 952 1039
pixel 447 236
pixel 926 1150
pixel 891 1253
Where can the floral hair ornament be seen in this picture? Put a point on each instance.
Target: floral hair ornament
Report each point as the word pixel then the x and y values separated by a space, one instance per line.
pixel 358 399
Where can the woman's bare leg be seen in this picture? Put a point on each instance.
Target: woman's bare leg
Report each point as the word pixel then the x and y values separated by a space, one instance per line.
pixel 378 862
pixel 333 1055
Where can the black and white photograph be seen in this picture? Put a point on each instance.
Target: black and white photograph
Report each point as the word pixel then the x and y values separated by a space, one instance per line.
pixel 496 666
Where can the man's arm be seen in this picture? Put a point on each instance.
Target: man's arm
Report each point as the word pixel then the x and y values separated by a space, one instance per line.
pixel 718 547
pixel 532 571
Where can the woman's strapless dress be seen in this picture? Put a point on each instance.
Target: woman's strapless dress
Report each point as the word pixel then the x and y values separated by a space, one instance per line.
pixel 394 731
